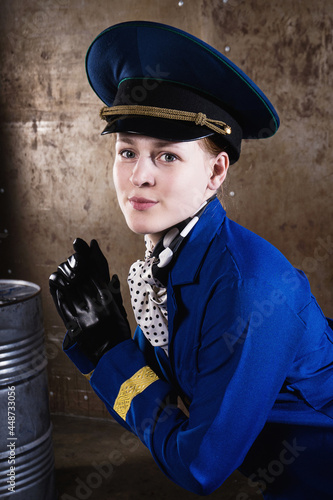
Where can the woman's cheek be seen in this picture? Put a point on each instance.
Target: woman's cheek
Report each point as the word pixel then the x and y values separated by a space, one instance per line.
pixel 118 180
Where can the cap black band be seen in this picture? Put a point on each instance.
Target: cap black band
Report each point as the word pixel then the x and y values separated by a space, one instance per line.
pixel 172 112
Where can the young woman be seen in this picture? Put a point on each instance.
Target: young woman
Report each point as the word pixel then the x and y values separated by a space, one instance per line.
pixel 224 321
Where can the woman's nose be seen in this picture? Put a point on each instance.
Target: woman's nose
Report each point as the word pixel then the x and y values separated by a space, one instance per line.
pixel 142 173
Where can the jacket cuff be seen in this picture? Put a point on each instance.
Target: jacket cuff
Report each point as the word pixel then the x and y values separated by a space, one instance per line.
pixel 124 381
pixel 81 362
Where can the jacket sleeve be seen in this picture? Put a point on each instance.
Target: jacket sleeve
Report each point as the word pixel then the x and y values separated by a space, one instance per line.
pixel 245 351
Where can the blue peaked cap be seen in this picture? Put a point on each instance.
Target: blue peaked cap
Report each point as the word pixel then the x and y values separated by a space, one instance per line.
pixel 136 68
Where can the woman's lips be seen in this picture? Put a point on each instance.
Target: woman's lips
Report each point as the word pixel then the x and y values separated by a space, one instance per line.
pixel 141 203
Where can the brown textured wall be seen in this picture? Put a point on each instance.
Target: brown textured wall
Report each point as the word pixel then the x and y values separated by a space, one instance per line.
pixel 55 176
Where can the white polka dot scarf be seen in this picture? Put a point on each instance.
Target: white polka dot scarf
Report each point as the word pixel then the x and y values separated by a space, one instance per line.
pixel 147 281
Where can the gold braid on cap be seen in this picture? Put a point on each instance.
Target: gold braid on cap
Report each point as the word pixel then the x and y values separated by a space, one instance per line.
pixel 171 114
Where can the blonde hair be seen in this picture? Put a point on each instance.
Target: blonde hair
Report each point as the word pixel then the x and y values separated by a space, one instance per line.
pixel 210 146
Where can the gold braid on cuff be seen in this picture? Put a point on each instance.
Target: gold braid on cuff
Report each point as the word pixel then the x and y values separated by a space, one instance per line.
pixel 170 114
pixel 135 385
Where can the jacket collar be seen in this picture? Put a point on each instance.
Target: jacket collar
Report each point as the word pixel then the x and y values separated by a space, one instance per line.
pixel 195 246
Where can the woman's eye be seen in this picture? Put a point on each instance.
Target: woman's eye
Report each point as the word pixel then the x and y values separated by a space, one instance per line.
pixel 127 153
pixel 168 157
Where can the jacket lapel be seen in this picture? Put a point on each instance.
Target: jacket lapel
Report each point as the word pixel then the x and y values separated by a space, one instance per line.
pixel 195 246
pixel 190 257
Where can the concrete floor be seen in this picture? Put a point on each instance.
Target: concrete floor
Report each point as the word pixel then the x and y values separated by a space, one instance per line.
pixel 98 460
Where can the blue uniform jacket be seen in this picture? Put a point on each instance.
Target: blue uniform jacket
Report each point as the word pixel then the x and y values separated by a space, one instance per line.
pixel 249 349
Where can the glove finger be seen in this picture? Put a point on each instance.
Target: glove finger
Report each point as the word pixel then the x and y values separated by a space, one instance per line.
pixel 114 287
pixel 81 247
pixel 71 303
pixel 54 288
pixel 68 269
pixel 99 261
pixel 81 255
pixel 60 304
pixel 56 280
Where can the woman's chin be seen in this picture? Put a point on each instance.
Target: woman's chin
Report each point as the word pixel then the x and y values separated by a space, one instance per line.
pixel 139 228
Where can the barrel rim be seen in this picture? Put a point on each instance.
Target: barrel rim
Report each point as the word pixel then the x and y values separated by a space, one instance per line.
pixel 22 299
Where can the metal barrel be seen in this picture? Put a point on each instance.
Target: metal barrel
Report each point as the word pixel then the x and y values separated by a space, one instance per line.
pixel 26 452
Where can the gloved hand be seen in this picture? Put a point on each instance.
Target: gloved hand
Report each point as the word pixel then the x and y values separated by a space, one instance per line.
pixel 89 304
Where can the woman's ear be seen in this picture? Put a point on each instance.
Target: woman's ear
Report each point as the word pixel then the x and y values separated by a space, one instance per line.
pixel 219 170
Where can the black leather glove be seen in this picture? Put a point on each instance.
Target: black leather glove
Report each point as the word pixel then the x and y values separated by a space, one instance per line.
pixel 89 304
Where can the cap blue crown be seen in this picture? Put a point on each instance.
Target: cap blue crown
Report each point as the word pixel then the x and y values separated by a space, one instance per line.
pixel 150 64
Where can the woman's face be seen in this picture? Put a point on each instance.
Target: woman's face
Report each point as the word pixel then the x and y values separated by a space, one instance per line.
pixel 161 183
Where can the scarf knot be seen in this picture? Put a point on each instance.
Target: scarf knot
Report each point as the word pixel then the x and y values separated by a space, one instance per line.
pixel 149 300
